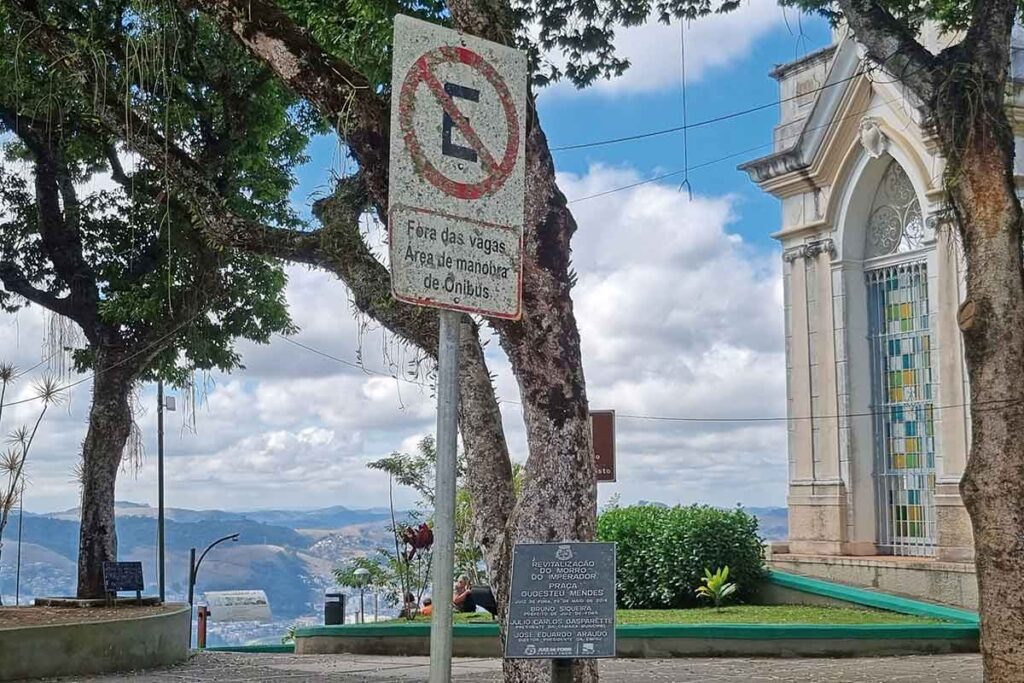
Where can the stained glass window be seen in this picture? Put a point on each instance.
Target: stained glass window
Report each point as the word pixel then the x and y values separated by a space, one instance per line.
pixel 903 410
pixel 895 224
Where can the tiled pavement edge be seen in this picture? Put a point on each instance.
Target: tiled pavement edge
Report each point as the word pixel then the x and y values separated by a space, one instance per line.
pixel 224 667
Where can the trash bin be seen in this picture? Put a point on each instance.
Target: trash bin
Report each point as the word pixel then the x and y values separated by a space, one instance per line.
pixel 334 609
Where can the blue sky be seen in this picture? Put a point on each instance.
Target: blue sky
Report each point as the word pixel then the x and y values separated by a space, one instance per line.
pixel 679 305
pixel 741 84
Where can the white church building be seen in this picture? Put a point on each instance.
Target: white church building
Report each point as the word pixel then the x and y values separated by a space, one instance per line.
pixel 876 385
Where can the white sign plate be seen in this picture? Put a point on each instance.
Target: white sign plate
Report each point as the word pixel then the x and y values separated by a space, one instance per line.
pixel 226 606
pixel 457 184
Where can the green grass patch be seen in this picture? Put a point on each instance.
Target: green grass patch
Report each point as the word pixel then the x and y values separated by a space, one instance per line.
pixel 769 614
pixel 742 614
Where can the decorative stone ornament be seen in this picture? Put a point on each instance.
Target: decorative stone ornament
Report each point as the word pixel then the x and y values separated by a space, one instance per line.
pixel 872 139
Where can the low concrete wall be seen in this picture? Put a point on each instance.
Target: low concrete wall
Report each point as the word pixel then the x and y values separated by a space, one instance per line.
pixel 951 583
pixel 94 647
pixel 688 640
pixel 469 641
pixel 772 593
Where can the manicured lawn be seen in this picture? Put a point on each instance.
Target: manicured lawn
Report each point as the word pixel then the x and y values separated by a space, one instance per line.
pixel 768 614
pixel 745 614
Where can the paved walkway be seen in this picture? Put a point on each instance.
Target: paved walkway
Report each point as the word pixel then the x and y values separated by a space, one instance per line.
pixel 222 667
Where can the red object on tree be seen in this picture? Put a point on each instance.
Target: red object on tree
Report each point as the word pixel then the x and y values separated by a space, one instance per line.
pixel 419 538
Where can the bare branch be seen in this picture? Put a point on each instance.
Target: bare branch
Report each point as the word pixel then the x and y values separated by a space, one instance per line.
pixel 117 172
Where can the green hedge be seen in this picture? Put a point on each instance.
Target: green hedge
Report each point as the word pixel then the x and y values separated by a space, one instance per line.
pixel 662 552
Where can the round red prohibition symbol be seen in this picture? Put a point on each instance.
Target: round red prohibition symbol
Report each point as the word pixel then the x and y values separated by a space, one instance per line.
pixel 496 171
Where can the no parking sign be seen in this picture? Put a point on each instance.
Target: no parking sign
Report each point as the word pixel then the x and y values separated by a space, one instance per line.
pixel 458 120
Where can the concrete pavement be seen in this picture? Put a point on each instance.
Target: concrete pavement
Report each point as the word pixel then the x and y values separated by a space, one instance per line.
pixel 224 667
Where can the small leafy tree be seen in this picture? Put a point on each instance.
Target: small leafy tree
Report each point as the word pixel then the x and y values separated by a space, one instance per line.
pixel 20 440
pixel 417 471
pixel 716 587
pixel 390 575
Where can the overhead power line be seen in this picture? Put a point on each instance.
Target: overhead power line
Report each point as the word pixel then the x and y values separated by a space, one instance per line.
pixel 110 367
pixel 705 122
pixel 727 157
pixel 668 418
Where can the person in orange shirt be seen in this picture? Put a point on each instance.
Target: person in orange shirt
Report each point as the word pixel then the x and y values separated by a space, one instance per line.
pixel 428 607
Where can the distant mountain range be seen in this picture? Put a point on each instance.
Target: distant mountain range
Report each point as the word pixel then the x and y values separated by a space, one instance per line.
pixel 290 554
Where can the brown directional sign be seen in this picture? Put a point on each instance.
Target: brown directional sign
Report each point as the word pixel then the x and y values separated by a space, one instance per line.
pixel 602 423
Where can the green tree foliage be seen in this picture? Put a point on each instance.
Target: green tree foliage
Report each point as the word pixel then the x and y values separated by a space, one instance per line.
pixel 98 237
pixel 417 471
pixel 147 258
pixel 389 576
pixel 662 553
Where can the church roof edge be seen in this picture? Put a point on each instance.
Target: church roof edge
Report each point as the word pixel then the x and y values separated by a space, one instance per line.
pixel 823 54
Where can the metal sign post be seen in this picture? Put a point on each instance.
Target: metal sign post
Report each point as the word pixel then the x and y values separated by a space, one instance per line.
pixel 444 499
pixel 455 227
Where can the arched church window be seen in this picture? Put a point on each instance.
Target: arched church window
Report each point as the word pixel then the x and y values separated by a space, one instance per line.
pixel 895 224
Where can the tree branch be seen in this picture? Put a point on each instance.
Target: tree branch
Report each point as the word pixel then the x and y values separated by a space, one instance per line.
pixel 341 94
pixel 892 44
pixel 117 172
pixel 14 281
pixel 58 225
pixel 987 43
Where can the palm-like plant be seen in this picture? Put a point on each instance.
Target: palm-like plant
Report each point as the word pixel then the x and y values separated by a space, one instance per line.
pixel 716 587
pixel 12 461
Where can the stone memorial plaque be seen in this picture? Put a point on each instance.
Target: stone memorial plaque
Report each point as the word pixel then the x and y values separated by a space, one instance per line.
pixel 563 601
pixel 122 576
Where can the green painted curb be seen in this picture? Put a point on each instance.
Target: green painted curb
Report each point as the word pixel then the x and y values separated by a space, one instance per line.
pixel 253 649
pixel 799 631
pixel 713 631
pixel 390 629
pixel 869 598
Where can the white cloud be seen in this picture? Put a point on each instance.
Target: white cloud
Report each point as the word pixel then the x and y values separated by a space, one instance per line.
pixel 678 317
pixel 713 42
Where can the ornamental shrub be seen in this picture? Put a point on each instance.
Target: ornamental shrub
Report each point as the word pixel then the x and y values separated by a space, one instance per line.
pixel 662 552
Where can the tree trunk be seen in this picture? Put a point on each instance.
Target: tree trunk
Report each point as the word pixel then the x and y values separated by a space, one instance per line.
pixel 559 494
pixel 979 144
pixel 489 470
pixel 110 423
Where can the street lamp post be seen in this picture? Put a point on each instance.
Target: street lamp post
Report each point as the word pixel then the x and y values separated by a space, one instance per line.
pixel 161 403
pixel 193 571
pixel 362 573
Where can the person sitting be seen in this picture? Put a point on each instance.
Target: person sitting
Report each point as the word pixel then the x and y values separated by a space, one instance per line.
pixel 463 595
pixel 483 596
pixel 409 608
pixel 428 607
